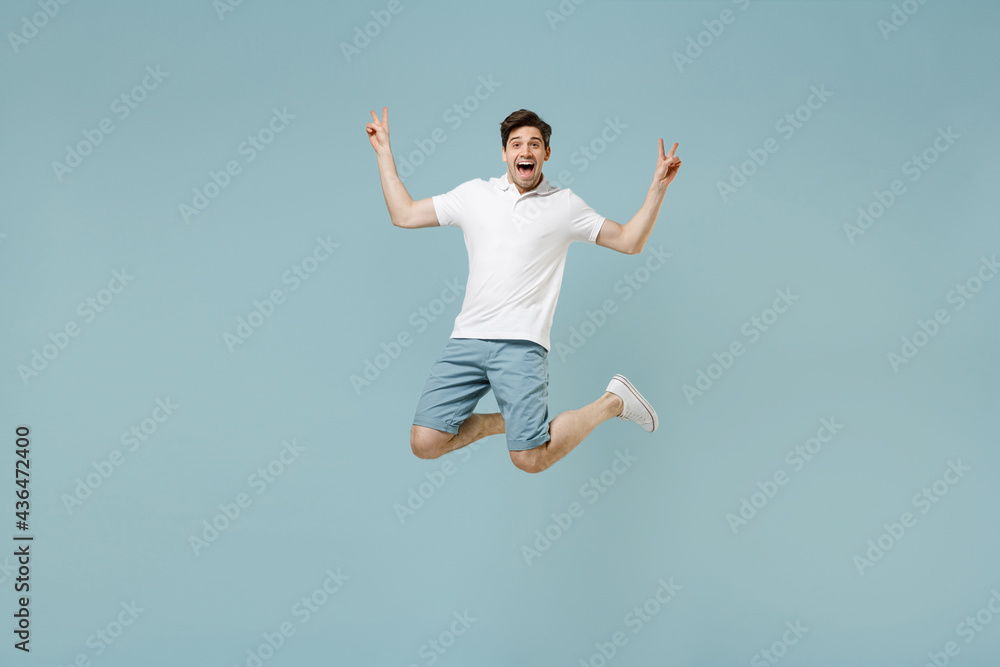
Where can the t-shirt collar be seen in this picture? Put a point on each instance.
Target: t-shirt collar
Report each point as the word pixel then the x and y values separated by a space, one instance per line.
pixel 542 188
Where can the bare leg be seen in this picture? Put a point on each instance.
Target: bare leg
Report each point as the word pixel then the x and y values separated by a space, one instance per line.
pixel 567 430
pixel 429 443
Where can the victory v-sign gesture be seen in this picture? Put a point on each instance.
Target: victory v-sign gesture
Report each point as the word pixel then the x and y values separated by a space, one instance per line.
pixel 666 166
pixel 378 131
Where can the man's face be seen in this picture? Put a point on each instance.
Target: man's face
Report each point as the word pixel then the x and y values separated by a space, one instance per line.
pixel 524 156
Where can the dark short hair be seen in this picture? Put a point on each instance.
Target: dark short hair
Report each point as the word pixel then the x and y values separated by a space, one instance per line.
pixel 524 118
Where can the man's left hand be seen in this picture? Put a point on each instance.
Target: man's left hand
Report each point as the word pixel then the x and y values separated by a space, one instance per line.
pixel 667 166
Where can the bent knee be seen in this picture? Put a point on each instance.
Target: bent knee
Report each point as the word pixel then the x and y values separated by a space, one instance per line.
pixel 426 442
pixel 530 460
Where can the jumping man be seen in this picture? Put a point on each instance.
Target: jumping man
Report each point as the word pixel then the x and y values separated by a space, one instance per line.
pixel 517 230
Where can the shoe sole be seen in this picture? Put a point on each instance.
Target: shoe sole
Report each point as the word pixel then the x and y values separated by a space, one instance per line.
pixel 645 403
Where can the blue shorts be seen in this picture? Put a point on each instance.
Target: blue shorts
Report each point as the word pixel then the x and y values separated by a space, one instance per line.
pixel 516 370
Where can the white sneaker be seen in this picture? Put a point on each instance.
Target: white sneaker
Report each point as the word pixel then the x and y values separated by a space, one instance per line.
pixel 636 407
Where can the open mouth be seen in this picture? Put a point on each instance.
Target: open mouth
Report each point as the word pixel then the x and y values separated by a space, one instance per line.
pixel 525 168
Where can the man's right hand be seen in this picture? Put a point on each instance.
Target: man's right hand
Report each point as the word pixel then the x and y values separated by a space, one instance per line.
pixel 378 131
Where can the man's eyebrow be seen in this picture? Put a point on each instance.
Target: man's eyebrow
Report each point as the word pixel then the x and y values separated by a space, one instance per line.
pixel 518 137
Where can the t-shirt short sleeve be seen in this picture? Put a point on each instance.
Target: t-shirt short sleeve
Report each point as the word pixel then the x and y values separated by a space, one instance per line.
pixel 585 223
pixel 448 206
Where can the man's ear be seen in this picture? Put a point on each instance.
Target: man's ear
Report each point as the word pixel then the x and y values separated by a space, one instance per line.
pixel 548 152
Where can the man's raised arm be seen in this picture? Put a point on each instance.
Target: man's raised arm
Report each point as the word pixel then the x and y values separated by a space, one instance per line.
pixel 403 211
pixel 631 237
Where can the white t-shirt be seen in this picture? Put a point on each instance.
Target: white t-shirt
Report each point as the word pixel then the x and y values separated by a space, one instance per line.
pixel 517 252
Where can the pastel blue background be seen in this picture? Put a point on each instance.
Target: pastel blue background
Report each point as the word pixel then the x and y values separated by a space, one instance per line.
pixel 334 506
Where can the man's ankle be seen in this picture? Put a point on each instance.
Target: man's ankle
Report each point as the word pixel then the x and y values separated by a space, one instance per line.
pixel 617 403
